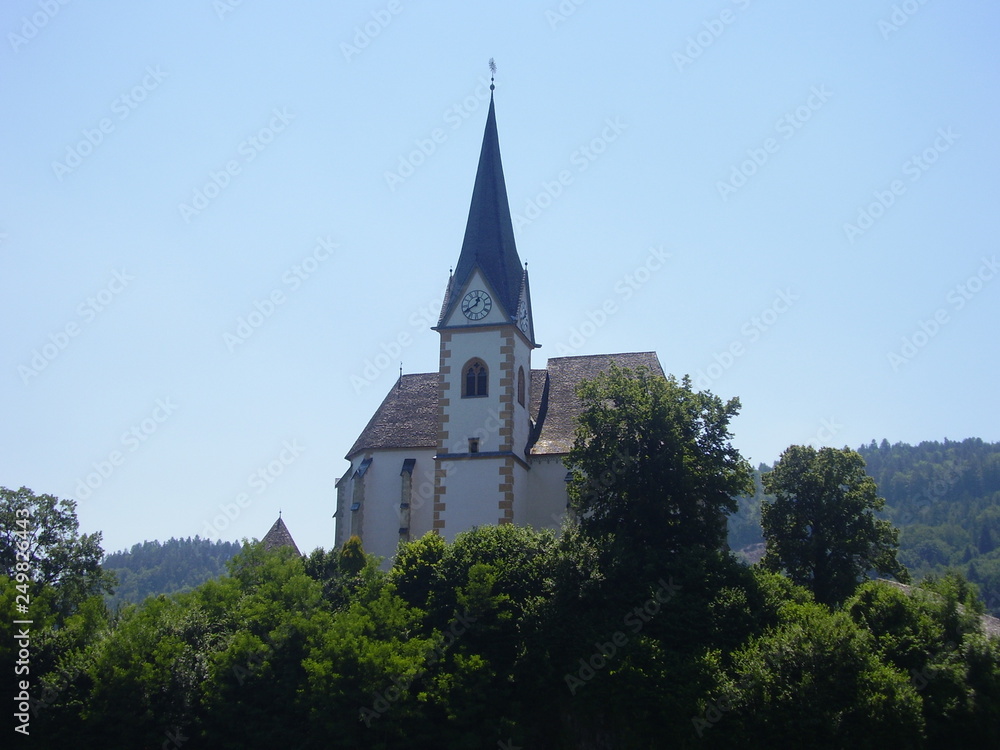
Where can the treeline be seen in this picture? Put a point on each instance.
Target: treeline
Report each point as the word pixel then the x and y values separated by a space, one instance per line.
pixel 514 638
pixel 168 567
pixel 944 497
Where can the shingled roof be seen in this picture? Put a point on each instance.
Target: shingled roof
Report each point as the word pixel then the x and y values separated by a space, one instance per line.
pixel 408 416
pixel 555 405
pixel 279 536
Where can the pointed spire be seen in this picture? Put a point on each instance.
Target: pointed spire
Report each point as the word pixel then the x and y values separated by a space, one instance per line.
pixel 279 536
pixel 489 234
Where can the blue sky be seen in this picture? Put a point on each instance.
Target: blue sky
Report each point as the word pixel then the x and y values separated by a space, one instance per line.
pixel 222 226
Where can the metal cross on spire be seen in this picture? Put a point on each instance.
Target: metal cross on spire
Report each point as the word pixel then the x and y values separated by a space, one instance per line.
pixel 493 72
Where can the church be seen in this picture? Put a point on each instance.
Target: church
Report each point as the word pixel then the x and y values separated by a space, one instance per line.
pixel 482 440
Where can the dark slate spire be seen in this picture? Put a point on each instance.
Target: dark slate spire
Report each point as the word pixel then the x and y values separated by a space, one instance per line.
pixel 489 234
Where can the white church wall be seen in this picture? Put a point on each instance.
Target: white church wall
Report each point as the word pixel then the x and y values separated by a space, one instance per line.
pixel 521 496
pixel 422 492
pixel 547 492
pixel 476 417
pixel 380 511
pixel 343 488
pixel 473 494
pixel 380 530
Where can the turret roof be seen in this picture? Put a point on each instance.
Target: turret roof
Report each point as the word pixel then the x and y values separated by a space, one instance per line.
pixel 279 536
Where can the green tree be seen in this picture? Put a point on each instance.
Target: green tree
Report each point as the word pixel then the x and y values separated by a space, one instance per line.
pixel 45 529
pixel 365 671
pixel 821 527
pixel 652 463
pixel 476 592
pixel 933 633
pixel 813 681
pixel 272 610
pixel 352 557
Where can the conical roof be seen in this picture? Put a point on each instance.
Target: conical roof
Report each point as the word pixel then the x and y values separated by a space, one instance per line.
pixel 279 536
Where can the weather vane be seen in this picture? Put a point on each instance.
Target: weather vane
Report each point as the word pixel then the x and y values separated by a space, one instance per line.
pixel 493 72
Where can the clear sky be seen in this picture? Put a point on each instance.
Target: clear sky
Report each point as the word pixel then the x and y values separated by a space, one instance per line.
pixel 223 225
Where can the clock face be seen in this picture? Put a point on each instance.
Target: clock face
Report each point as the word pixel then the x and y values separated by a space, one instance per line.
pixel 522 317
pixel 477 304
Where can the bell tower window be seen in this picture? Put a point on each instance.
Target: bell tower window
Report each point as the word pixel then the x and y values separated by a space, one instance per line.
pixel 477 379
pixel 520 386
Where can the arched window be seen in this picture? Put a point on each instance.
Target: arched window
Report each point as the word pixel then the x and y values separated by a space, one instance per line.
pixel 520 386
pixel 477 379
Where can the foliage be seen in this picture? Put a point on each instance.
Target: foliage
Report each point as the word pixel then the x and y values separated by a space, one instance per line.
pixel 62 560
pixel 510 637
pixel 744 533
pixel 933 635
pixel 352 557
pixel 814 681
pixel 944 497
pixel 652 462
pixel 821 526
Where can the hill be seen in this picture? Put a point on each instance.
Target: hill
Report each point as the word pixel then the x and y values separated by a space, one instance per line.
pixel 153 568
pixel 945 499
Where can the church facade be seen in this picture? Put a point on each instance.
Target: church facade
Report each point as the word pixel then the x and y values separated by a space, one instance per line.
pixel 482 440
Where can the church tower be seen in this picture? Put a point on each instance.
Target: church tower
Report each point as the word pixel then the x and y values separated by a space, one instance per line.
pixel 483 440
pixel 484 378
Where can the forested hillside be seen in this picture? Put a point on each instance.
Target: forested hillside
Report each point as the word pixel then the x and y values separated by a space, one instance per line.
pixel 945 499
pixel 153 568
pixel 943 496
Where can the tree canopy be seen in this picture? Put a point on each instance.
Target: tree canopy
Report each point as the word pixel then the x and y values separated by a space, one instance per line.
pixel 510 637
pixel 62 559
pixel 943 496
pixel 652 462
pixel 821 526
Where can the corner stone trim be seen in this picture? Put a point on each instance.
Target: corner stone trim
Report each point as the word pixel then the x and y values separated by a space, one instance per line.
pixel 506 487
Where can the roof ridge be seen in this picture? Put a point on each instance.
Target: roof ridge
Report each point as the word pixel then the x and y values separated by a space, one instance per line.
pixel 595 356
